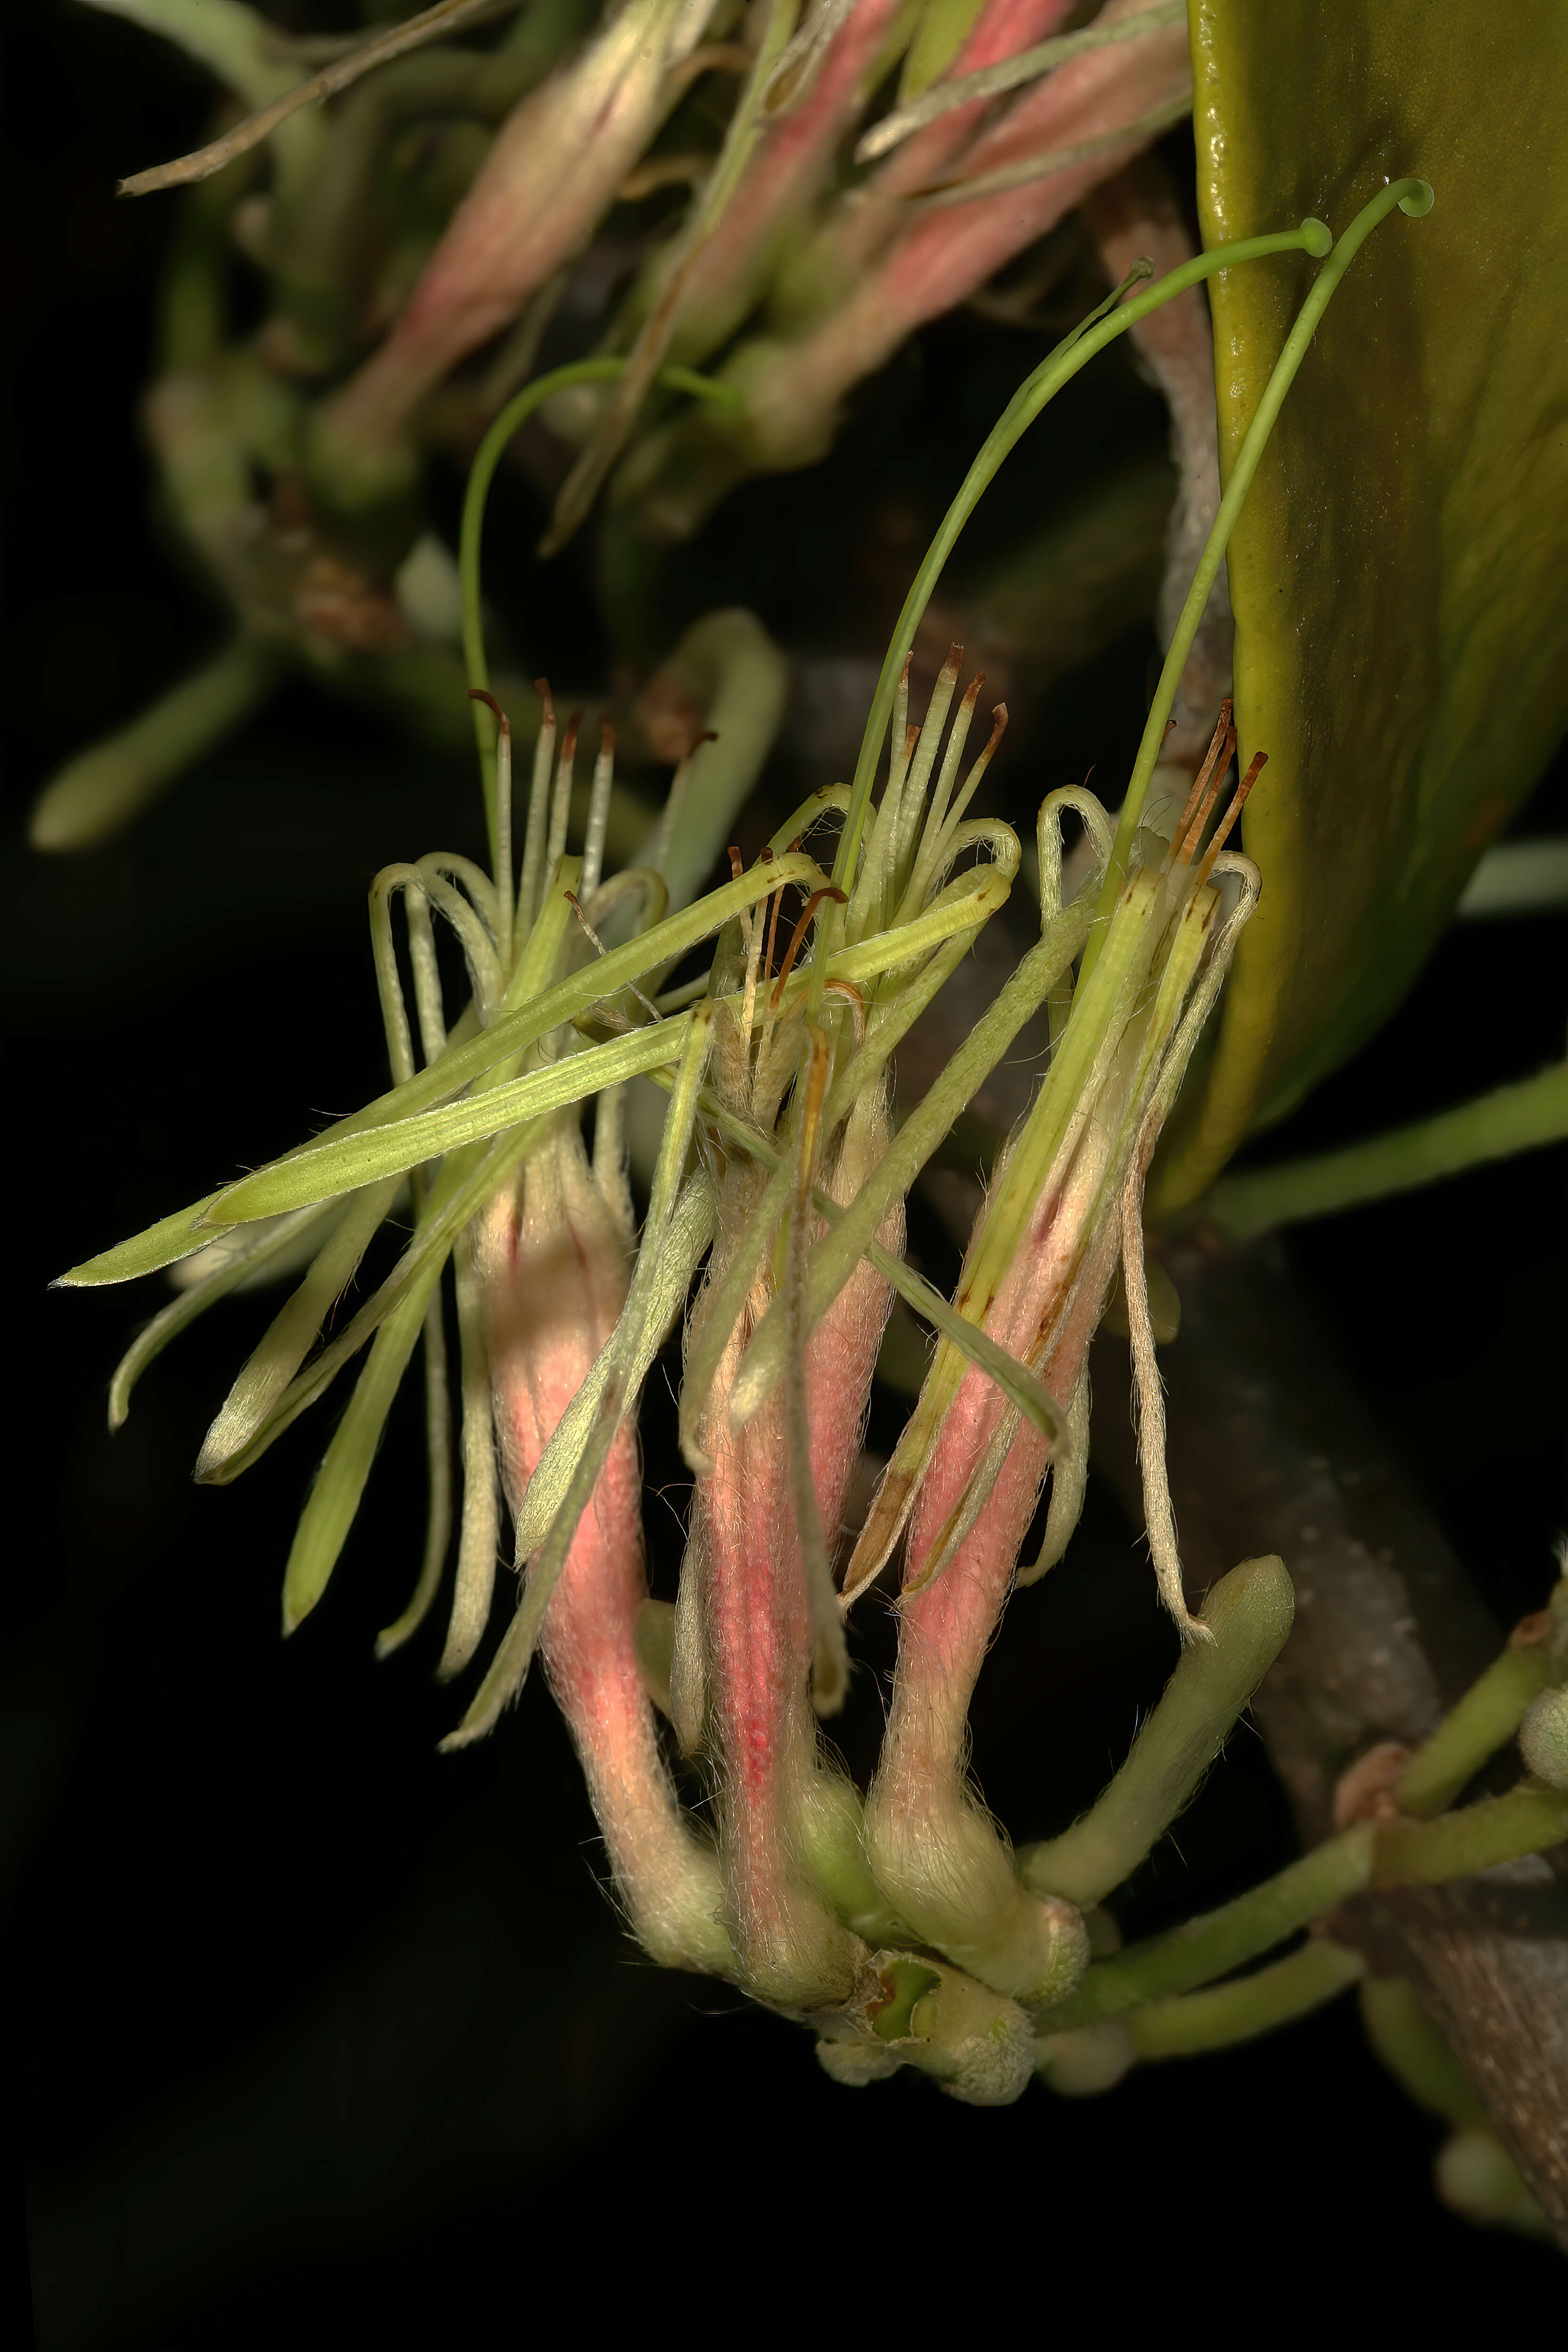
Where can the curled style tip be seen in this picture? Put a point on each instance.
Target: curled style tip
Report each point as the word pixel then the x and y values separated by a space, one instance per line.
pixel 1419 200
pixel 1317 237
pixel 802 927
pixel 479 694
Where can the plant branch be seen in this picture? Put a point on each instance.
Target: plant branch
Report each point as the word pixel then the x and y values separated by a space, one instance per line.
pixel 1271 1451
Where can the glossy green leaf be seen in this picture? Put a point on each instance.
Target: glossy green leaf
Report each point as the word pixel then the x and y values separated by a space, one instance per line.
pixel 1402 635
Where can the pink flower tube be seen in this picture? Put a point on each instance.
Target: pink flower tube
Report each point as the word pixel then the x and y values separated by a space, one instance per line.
pixel 747 1601
pixel 555 1262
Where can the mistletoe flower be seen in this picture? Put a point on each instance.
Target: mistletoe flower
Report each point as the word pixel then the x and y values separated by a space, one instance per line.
pixel 900 1924
pixel 486 1134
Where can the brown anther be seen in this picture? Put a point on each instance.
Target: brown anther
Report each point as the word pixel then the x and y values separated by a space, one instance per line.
pixel 736 863
pixel 606 737
pixel 542 688
pixel 1223 743
pixel 765 855
pixel 971 692
pixel 808 910
pixel 1185 848
pixel 569 741
pixel 1260 761
pixel 478 693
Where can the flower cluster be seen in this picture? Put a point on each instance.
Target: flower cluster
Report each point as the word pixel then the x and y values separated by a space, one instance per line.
pixel 895 1920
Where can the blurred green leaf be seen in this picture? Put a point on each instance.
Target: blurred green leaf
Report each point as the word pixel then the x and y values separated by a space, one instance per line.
pixel 1398 573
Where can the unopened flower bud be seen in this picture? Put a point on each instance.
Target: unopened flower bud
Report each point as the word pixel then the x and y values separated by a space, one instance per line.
pixel 554 167
pixel 1543 1739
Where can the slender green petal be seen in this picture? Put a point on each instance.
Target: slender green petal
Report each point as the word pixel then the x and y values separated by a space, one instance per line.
pixel 235 1271
pixel 478 1542
pixel 439 1455
pixel 328 1169
pixel 329 1513
pixel 515 1030
pixel 165 1244
pixel 293 1332
pixel 467 1179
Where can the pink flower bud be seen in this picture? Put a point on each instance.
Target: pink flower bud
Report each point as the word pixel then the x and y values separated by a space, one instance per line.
pixel 555 165
pixel 792 390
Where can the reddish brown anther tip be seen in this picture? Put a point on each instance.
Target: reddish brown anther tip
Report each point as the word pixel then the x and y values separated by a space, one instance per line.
pixel 765 854
pixel 955 661
pixel 569 741
pixel 542 688
pixel 478 693
pixel 606 736
pixel 737 864
pixel 802 927
pixel 1260 761
pixel 971 692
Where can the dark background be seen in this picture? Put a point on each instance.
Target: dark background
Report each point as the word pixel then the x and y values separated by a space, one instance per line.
pixel 318 2038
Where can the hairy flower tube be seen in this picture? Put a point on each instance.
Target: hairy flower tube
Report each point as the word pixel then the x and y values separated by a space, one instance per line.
pixel 898 1922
